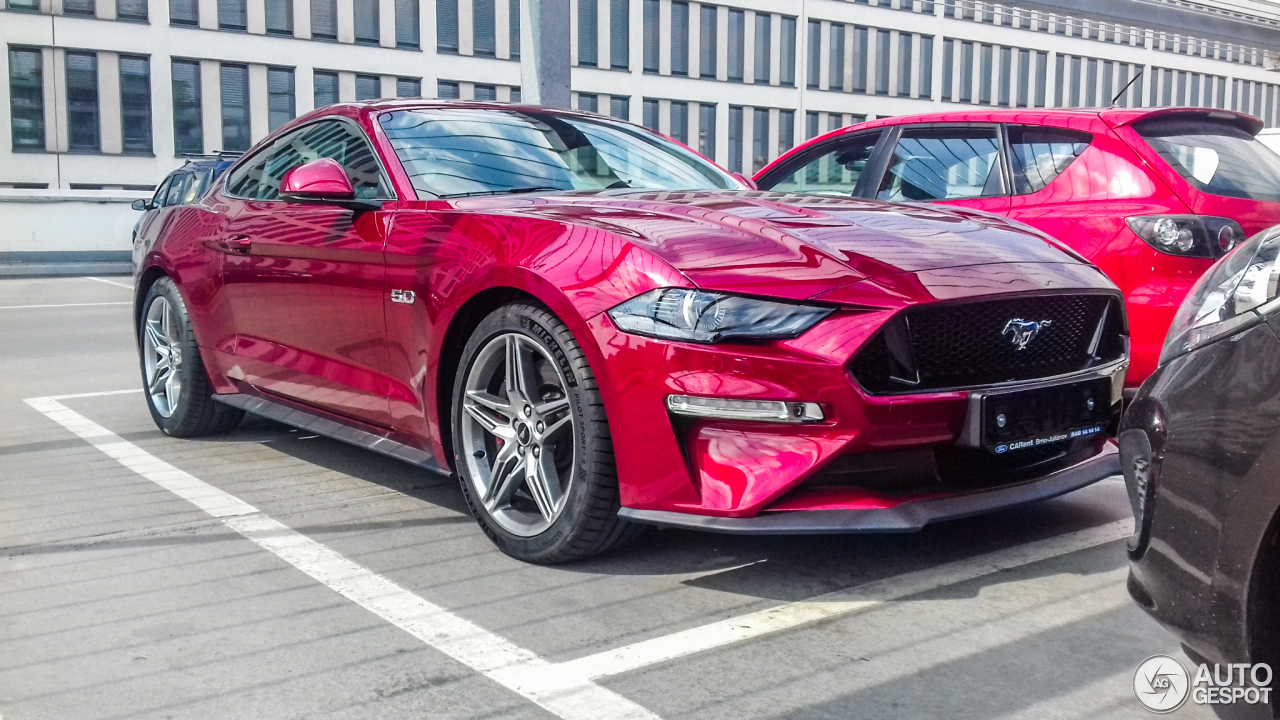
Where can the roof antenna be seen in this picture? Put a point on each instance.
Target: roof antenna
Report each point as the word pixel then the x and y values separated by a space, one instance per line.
pixel 1126 87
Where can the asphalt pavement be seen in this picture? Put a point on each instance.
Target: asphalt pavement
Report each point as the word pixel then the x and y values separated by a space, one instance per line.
pixel 270 573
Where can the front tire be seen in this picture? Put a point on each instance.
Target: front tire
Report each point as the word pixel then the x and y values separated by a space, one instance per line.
pixel 179 394
pixel 531 440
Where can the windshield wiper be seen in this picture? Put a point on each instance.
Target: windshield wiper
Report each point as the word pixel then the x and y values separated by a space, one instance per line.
pixel 508 191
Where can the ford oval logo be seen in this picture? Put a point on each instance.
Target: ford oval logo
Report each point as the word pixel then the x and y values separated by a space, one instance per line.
pixel 1023 331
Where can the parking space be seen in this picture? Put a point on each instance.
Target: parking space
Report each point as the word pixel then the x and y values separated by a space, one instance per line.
pixel 271 573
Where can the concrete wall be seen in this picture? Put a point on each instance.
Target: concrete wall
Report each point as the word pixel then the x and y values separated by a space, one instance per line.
pixel 66 221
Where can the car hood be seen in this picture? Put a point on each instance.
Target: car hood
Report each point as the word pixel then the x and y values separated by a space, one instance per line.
pixel 788 245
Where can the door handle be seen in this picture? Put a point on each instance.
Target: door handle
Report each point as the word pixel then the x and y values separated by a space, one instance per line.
pixel 237 245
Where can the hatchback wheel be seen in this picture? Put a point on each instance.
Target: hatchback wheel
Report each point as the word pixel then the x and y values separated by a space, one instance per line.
pixel 179 394
pixel 531 441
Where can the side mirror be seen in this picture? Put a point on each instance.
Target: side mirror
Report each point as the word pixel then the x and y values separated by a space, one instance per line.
pixel 746 181
pixel 319 181
pixel 141 205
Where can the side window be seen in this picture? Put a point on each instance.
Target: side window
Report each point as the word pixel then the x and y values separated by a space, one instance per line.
pixel 195 188
pixel 943 163
pixel 1040 154
pixel 176 188
pixel 285 154
pixel 243 182
pixel 162 192
pixel 833 169
pixel 332 139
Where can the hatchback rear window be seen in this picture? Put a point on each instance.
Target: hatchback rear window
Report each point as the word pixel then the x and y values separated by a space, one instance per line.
pixel 1218 158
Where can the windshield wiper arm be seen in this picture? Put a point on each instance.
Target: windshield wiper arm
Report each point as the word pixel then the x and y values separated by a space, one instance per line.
pixel 507 191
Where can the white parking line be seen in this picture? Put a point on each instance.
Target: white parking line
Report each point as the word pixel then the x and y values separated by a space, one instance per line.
pixel 518 669
pixel 110 282
pixel 839 602
pixel 60 305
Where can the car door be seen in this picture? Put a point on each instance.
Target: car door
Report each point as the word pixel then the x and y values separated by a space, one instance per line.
pixel 839 167
pixel 954 164
pixel 305 282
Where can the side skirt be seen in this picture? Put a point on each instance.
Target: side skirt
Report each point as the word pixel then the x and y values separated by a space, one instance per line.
pixel 313 422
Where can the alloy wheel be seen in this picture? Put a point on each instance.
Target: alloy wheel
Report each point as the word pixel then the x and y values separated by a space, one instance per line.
pixel 162 355
pixel 518 434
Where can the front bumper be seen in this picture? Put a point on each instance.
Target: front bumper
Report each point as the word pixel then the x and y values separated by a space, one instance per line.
pixel 906 517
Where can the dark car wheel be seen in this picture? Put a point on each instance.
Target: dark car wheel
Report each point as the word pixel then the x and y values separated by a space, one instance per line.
pixel 531 441
pixel 178 391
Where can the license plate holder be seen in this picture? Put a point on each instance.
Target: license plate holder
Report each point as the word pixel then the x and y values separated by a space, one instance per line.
pixel 1023 419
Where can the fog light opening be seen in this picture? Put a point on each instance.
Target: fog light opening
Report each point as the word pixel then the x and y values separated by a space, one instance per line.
pixel 737 409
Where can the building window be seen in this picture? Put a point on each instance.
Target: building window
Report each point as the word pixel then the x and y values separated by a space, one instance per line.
pixel 82 102
pixel 760 140
pixel 483 28
pixel 966 71
pixel 446 90
pixel 135 104
pixel 515 94
pixel 707 129
pixel 986 70
pixel 79 8
pixel 188 116
pixel 408 87
pixel 235 108
pixel 367 22
pixel 787 61
pixel 926 67
pixel 588 29
pixel 861 53
pixel 764 50
pixel 811 125
pixel 131 10
pixel 620 107
pixel 407 20
pixel 1075 83
pixel 707 37
pixel 649 114
pixel 368 87
pixel 588 102
pixel 835 74
pixel 324 19
pixel 1024 78
pixel 280 97
pixel 652 38
pixel 23 6
pixel 184 12
pixel 948 70
pixel 1042 79
pixel 232 15
pixel 814 51
pixel 1091 84
pixel 26 98
pixel 513 41
pixel 620 34
pixel 680 121
pixel 737 44
pixel 486 92
pixel 786 130
pixel 279 17
pixel 904 64
pixel 679 38
pixel 447 26
pixel 735 138
pixel 882 62
pixel 325 86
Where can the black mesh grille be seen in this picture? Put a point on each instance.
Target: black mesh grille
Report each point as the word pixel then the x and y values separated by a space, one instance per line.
pixel 959 345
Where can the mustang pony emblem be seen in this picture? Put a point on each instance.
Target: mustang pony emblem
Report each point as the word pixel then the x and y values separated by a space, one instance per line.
pixel 1023 331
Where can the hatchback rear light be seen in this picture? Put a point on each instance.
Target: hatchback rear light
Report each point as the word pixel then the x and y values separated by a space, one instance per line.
pixel 1204 236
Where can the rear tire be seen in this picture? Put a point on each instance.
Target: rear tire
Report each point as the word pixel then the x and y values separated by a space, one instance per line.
pixel 532 446
pixel 179 394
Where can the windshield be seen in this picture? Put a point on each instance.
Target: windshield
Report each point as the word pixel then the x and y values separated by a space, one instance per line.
pixel 1216 157
pixel 454 152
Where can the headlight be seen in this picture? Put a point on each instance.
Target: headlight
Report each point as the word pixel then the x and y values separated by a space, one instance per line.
pixel 708 317
pixel 1236 292
pixel 1188 235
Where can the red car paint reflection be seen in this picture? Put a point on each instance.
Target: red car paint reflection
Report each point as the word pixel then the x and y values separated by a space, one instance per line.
pixel 1119 175
pixel 289 300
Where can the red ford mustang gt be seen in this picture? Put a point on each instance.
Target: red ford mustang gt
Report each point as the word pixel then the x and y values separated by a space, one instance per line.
pixel 1152 196
pixel 596 329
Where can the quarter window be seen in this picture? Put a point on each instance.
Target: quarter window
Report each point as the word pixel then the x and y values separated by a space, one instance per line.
pixel 1040 154
pixel 943 164
pixel 830 170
